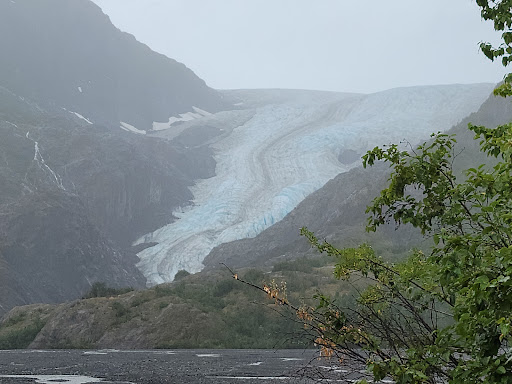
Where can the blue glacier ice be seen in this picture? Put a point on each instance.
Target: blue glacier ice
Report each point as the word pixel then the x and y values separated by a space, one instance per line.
pixel 281 147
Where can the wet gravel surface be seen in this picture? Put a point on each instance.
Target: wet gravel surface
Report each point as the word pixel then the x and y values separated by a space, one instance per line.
pixel 176 366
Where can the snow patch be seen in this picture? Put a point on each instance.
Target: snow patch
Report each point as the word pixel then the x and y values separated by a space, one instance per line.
pixel 202 111
pixel 14 125
pixel 81 117
pixel 80 89
pixel 130 128
pixel 52 379
pixel 145 352
pixel 183 117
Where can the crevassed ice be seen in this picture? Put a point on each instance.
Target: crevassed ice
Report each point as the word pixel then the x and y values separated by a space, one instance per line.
pixel 286 151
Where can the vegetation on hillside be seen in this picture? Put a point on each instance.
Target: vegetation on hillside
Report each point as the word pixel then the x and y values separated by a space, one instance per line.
pixel 20 328
pixel 100 289
pixel 206 310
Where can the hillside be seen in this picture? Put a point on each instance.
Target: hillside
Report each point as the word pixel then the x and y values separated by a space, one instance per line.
pixel 105 143
pixel 197 311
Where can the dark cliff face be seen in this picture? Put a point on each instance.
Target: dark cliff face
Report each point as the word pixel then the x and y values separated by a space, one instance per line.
pixel 129 183
pixel 51 252
pixel 51 248
pixel 75 195
pixel 67 53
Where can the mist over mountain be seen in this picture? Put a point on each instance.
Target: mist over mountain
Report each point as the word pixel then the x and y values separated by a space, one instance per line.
pixel 68 54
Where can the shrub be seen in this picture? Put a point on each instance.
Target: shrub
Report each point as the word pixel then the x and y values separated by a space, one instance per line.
pixel 181 274
pixel 19 338
pixel 102 290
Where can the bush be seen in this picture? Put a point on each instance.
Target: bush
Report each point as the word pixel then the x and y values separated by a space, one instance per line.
pixel 181 274
pixel 102 290
pixel 19 338
pixel 223 287
pixel 440 316
pixel 119 309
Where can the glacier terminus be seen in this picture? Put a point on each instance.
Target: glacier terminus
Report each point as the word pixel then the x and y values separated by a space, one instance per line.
pixel 277 147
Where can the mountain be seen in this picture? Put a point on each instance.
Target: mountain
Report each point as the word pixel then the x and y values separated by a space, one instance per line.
pixel 67 53
pixel 104 143
pixel 80 179
pixel 210 309
pixel 278 147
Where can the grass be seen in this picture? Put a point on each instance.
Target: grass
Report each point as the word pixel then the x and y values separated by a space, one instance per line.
pixel 17 334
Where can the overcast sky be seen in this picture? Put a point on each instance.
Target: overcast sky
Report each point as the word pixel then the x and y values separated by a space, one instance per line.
pixel 338 45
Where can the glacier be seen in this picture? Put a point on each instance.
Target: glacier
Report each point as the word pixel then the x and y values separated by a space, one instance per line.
pixel 279 146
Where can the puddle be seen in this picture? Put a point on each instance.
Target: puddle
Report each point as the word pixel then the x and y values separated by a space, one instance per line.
pixel 253 377
pixel 51 379
pixel 107 351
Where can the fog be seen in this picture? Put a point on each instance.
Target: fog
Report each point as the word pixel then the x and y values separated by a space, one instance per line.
pixel 335 45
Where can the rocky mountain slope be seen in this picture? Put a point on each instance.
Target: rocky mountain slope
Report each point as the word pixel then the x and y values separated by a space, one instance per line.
pixel 67 53
pixel 196 311
pixel 77 187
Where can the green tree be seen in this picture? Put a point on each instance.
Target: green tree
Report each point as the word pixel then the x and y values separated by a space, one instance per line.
pixel 499 12
pixel 444 316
